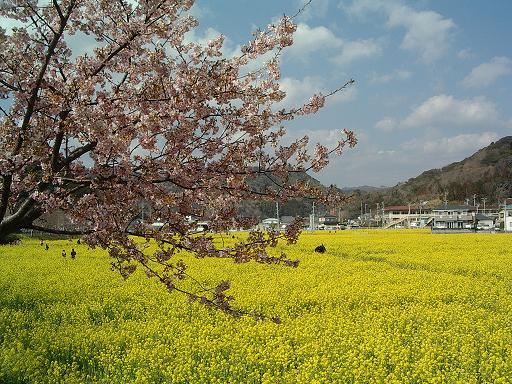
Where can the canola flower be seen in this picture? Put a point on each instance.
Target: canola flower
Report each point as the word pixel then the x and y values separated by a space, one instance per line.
pixel 378 307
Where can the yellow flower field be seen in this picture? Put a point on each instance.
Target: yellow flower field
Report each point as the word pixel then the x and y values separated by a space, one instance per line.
pixel 379 307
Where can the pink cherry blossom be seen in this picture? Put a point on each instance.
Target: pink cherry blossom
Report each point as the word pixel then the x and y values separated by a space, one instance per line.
pixel 146 124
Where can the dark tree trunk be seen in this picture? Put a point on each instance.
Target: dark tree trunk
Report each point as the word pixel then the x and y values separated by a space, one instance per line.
pixel 23 218
pixel 7 233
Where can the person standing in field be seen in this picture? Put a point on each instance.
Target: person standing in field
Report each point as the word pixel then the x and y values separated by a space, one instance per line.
pixel 63 253
pixel 73 253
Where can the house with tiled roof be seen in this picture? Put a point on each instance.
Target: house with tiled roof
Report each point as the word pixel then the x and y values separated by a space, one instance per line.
pixel 457 217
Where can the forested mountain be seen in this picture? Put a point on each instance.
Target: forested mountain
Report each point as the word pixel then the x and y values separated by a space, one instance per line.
pixel 486 174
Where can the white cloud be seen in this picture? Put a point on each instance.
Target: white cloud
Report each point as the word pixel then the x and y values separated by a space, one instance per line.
pixel 427 32
pixel 487 73
pixel 399 74
pixel 444 111
pixel 200 11
pixel 452 145
pixel 387 152
pixel 358 49
pixel 361 7
pixel 345 95
pixel 299 91
pixel 465 54
pixel 387 124
pixel 307 40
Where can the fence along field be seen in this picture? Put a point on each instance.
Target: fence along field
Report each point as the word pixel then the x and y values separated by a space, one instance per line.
pixel 379 306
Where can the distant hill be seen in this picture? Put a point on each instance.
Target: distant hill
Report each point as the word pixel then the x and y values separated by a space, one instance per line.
pixel 364 188
pixel 486 173
pixel 295 207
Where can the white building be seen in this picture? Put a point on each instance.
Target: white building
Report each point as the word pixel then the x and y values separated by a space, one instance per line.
pixel 506 219
pixel 484 222
pixel 450 216
pixel 270 223
pixel 406 216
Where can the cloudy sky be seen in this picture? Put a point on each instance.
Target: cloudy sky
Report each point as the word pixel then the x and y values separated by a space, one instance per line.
pixel 433 78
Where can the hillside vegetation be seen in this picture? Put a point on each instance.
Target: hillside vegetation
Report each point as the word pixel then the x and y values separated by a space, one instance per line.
pixel 486 173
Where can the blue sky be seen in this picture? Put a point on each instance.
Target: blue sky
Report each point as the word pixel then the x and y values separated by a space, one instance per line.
pixel 433 78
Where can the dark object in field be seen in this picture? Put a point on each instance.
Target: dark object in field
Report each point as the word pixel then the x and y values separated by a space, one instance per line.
pixel 320 249
pixel 73 253
pixel 41 243
pixel 63 253
pixel 78 241
pixel 46 247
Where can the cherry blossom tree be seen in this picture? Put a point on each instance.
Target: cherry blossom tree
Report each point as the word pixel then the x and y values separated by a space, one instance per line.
pixel 145 119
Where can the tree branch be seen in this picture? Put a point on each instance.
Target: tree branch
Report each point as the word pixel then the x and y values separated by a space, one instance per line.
pixel 37 85
pixel 10 86
pixel 57 231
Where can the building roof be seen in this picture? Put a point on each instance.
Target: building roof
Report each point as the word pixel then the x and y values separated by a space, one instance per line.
pixel 286 219
pixel 454 207
pixel 480 216
pixel 405 208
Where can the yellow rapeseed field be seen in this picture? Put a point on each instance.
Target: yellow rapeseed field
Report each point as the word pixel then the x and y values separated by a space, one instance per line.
pixel 379 307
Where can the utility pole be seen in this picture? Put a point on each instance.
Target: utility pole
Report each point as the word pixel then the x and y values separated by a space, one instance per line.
pixel 382 205
pixel 312 218
pixel 505 216
pixel 484 199
pixel 474 200
pixel 277 214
